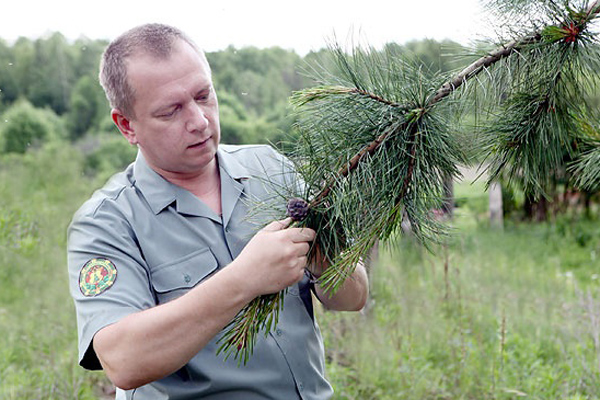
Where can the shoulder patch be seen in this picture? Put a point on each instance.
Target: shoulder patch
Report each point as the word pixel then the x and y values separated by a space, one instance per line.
pixel 97 276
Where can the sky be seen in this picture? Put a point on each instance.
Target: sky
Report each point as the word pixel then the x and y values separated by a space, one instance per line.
pixel 299 25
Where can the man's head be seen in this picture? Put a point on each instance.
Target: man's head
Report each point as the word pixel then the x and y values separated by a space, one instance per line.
pixel 160 87
pixel 156 40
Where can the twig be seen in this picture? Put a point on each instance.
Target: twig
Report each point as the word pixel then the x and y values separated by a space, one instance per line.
pixel 350 166
pixel 481 64
pixel 495 56
pixel 376 97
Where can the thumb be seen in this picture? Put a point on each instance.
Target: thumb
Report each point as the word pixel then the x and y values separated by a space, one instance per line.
pixel 278 225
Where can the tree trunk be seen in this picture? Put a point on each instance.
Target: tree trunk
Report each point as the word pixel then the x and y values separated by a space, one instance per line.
pixel 448 199
pixel 496 210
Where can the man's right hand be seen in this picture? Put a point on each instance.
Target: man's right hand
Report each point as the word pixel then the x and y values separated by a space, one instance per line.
pixel 275 257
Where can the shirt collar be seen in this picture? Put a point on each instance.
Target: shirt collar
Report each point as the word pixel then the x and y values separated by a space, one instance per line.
pixel 230 164
pixel 160 193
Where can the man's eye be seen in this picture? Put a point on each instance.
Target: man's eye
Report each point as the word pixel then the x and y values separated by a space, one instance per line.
pixel 203 97
pixel 169 113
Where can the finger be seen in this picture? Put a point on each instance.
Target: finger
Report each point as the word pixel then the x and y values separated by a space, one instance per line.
pixel 278 225
pixel 302 249
pixel 298 235
pixel 302 262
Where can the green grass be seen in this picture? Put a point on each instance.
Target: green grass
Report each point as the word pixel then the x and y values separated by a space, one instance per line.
pixel 492 315
pixel 38 346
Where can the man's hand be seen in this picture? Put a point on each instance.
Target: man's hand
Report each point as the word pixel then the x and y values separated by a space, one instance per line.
pixel 275 258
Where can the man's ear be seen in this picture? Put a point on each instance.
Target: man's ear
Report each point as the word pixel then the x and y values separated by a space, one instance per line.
pixel 124 125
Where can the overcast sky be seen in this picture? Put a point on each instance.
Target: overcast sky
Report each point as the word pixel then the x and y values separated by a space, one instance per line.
pixel 300 25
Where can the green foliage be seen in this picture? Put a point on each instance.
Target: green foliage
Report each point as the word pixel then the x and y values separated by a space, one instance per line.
pixel 382 151
pixel 51 73
pixel 39 192
pixel 586 169
pixel 372 154
pixel 8 85
pixel 109 154
pixel 24 126
pixel 489 315
pixel 261 79
pixel 541 98
pixel 431 55
pixel 239 127
pixel 537 130
pixel 87 106
pixel 530 139
pixel 256 83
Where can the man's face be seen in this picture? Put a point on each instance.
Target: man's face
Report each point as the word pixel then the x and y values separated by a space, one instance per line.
pixel 176 123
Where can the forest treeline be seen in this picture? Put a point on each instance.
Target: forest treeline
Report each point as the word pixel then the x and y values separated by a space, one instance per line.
pixel 49 91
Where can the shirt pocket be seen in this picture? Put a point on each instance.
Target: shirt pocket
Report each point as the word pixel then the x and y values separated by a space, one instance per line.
pixel 174 279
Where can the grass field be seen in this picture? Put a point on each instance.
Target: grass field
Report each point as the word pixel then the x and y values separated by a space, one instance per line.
pixel 490 315
pixel 511 314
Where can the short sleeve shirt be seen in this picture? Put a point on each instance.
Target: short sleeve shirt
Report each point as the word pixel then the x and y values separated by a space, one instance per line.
pixel 141 241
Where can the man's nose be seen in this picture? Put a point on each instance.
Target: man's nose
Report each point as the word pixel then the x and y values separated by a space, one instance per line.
pixel 196 119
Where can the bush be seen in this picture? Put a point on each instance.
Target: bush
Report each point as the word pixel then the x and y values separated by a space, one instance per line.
pixel 25 126
pixel 110 154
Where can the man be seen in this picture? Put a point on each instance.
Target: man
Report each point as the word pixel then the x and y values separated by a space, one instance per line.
pixel 164 256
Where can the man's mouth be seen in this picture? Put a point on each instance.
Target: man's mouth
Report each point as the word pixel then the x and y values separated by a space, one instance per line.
pixel 199 144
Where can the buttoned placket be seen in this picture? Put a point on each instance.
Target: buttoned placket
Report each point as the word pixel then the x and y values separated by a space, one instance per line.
pixel 231 193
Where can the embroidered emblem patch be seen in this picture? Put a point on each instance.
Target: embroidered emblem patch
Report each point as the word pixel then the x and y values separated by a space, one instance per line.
pixel 97 276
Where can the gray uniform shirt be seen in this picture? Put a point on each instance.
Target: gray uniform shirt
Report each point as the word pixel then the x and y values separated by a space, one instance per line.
pixel 154 241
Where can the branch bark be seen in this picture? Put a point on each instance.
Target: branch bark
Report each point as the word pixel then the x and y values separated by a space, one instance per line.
pixel 351 165
pixel 495 56
pixel 481 64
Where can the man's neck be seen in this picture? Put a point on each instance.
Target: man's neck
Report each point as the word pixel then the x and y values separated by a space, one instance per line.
pixel 205 185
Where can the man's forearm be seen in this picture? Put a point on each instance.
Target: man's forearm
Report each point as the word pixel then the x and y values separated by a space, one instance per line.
pixel 351 296
pixel 154 343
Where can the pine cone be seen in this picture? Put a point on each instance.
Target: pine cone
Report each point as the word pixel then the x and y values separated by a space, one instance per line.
pixel 297 209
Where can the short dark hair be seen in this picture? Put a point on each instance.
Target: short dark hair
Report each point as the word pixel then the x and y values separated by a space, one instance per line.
pixel 156 40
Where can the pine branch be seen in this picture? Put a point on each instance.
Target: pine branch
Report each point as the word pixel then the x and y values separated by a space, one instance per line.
pixel 593 10
pixel 502 52
pixel 481 64
pixel 320 93
pixel 448 88
pixel 262 313
pixel 445 90
pixel 349 167
pixel 413 132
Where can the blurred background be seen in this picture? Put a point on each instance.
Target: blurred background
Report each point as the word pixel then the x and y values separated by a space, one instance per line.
pixel 498 311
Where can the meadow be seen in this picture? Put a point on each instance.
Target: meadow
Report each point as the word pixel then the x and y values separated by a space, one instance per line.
pixel 489 314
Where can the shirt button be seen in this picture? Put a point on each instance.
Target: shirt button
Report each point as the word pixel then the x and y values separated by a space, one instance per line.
pixel 279 332
pixel 300 386
pixel 187 278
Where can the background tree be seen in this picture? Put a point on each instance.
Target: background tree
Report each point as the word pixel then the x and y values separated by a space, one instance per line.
pixel 86 107
pixel 52 78
pixel 25 127
pixel 8 83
